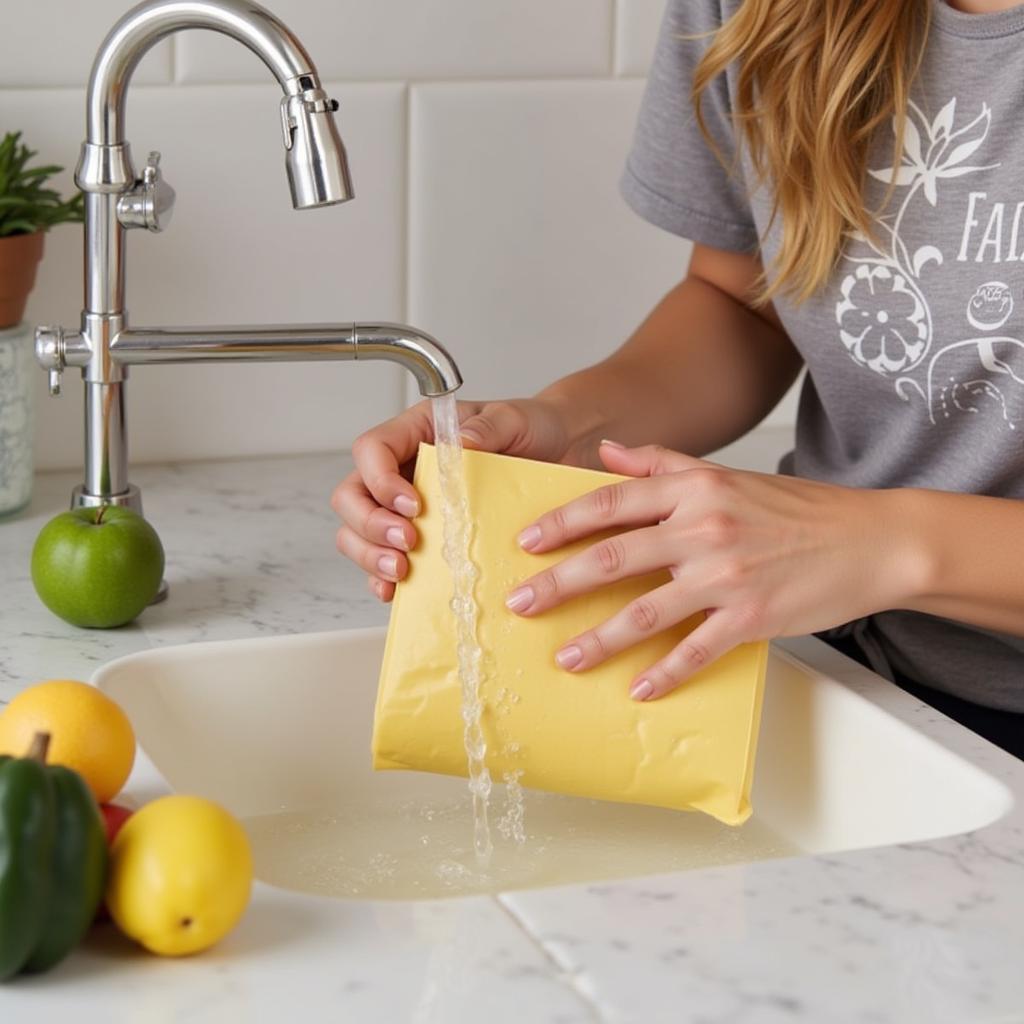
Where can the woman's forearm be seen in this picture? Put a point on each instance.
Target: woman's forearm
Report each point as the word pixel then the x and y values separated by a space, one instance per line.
pixel 701 371
pixel 969 558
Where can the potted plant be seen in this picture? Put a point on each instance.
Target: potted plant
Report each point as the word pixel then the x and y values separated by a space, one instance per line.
pixel 27 210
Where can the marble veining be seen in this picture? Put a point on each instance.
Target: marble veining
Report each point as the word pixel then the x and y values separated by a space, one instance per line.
pixel 920 933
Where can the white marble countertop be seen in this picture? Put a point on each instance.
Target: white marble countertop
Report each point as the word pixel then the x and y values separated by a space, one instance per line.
pixel 927 932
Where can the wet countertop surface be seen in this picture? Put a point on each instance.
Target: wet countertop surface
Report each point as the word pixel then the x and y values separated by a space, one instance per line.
pixel 930 932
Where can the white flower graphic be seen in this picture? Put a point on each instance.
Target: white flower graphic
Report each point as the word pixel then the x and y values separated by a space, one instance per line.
pixel 929 152
pixel 882 319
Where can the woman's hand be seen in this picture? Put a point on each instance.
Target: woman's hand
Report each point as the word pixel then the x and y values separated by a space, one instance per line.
pixel 376 500
pixel 764 555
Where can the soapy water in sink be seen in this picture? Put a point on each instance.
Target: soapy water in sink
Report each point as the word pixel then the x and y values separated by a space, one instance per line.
pixel 458 529
pixel 412 849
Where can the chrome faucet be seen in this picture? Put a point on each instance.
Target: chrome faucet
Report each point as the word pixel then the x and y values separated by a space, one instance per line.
pixel 117 199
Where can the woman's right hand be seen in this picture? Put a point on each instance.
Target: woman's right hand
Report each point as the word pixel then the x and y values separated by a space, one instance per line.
pixel 376 501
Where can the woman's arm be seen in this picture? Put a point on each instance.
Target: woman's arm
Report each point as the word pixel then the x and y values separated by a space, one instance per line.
pixel 968 554
pixel 701 370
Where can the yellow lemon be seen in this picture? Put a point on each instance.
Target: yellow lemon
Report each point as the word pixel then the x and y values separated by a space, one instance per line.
pixel 180 875
pixel 88 732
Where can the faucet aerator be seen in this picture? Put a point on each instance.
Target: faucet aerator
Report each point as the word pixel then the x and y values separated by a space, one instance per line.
pixel 316 185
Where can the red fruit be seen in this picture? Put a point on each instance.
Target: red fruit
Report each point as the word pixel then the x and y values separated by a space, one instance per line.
pixel 114 816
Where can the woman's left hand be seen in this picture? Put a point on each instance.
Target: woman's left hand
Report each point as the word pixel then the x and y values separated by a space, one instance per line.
pixel 764 555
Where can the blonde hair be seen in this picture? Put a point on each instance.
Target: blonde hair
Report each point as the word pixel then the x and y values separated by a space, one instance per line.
pixel 816 78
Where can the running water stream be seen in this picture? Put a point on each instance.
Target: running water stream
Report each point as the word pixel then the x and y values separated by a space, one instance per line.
pixel 457 536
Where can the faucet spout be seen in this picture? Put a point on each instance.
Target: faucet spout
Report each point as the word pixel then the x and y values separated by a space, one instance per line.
pixel 425 358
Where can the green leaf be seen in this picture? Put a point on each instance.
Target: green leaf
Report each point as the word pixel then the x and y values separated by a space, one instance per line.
pixel 44 172
pixel 25 205
pixel 18 227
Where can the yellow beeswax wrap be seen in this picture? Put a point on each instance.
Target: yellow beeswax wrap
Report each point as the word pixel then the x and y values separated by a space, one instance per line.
pixel 577 733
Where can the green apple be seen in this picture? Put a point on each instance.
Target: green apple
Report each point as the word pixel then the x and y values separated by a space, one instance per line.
pixel 97 567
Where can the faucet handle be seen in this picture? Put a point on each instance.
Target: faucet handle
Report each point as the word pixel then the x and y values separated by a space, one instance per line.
pixel 57 349
pixel 151 172
pixel 150 201
pixel 50 353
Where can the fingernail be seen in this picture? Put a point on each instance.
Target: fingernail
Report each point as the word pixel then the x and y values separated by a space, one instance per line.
pixel 471 436
pixel 519 600
pixel 529 538
pixel 405 506
pixel 569 657
pixel 642 690
pixel 396 537
pixel 611 444
pixel 388 565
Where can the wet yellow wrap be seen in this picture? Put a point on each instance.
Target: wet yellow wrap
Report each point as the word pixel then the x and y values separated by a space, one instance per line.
pixel 579 734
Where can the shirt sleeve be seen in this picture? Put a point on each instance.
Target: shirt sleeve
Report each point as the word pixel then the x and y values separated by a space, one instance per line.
pixel 673 178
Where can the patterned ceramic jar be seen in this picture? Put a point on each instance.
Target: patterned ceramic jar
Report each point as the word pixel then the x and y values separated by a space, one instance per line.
pixel 18 369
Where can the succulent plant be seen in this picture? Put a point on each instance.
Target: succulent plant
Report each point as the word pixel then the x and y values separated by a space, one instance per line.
pixel 26 205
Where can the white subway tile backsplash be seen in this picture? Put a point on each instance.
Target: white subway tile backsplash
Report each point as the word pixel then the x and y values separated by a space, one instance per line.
pixel 237 252
pixel 636 30
pixel 416 39
pixel 523 258
pixel 53 42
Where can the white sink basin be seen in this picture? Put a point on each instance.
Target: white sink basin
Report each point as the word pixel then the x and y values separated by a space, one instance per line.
pixel 278 731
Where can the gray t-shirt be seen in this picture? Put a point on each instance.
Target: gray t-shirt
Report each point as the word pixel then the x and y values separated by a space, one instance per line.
pixel 915 347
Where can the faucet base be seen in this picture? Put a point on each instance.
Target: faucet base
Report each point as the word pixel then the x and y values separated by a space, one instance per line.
pixel 132 498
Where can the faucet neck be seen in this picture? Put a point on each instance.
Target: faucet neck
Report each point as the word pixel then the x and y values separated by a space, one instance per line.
pixel 149 22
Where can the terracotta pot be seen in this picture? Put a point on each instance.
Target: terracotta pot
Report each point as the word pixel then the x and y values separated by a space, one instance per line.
pixel 19 257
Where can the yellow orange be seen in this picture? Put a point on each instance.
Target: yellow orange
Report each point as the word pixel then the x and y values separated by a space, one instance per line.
pixel 88 732
pixel 180 875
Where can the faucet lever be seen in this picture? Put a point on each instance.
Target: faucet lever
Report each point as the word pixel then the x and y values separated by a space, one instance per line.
pixel 57 349
pixel 50 352
pixel 149 203
pixel 151 172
